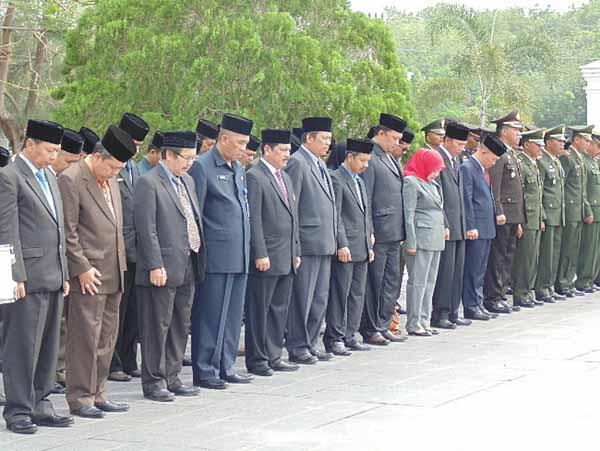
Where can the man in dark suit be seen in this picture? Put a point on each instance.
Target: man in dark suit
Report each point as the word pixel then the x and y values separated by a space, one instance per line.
pixel 354 251
pixel 169 235
pixel 32 222
pixel 96 257
pixel 317 218
pixel 274 255
pixel 124 361
pixel 448 288
pixel 480 219
pixel 383 183
pixel 507 186
pixel 207 133
pixel 90 139
pixel 152 156
pixel 219 304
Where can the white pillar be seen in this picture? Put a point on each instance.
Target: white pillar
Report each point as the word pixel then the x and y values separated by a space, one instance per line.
pixel 591 74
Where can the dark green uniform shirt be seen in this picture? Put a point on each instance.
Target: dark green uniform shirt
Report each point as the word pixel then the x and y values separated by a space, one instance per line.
pixel 553 199
pixel 576 204
pixel 593 185
pixel 532 190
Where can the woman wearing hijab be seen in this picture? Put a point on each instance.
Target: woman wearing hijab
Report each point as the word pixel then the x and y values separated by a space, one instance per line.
pixel 425 237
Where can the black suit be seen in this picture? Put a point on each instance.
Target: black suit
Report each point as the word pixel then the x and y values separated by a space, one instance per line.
pixel 274 235
pixel 448 288
pixel 348 280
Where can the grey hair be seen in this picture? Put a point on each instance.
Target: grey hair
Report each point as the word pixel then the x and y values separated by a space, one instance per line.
pixel 100 149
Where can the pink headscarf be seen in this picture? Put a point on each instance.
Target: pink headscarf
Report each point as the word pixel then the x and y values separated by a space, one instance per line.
pixel 423 163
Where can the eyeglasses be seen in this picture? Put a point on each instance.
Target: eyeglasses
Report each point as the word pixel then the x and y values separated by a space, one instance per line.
pixel 188 159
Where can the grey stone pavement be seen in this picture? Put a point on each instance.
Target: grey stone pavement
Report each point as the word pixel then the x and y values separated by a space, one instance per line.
pixel 525 381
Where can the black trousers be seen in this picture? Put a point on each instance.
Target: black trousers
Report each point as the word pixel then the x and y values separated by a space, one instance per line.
pixel 346 301
pixel 497 275
pixel 266 312
pixel 449 285
pixel 125 354
pixel 383 289
pixel 31 331
pixel 165 323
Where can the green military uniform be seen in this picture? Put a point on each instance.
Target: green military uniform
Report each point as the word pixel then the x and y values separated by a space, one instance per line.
pixel 553 179
pixel 524 269
pixel 436 127
pixel 589 257
pixel 576 209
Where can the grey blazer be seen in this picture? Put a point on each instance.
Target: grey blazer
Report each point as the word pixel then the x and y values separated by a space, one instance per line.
pixel 354 220
pixel 383 181
pixel 162 228
pixel 273 222
pixel 316 204
pixel 27 223
pixel 454 204
pixel 126 189
pixel 424 215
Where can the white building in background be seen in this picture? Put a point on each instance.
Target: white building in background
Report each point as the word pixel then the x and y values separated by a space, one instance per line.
pixel 591 74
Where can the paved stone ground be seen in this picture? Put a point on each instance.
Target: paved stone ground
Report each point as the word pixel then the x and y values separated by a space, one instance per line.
pixel 529 380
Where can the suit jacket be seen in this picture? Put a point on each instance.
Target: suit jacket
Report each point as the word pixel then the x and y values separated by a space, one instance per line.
pixel 479 200
pixel 507 186
pixel 553 198
pixel 273 222
pixel 223 201
pixel 384 182
pixel 454 205
pixel 576 203
pixel 316 204
pixel 126 189
pixel 355 225
pixel 532 190
pixel 94 236
pixel 162 228
pixel 423 215
pixel 27 223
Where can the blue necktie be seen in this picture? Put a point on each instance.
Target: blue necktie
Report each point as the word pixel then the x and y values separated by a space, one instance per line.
pixel 129 171
pixel 41 176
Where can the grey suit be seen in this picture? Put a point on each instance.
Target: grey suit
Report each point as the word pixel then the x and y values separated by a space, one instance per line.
pixel 424 219
pixel 124 357
pixel 164 243
pixel 274 234
pixel 384 183
pixel 31 326
pixel 348 280
pixel 219 303
pixel 318 224
pixel 448 288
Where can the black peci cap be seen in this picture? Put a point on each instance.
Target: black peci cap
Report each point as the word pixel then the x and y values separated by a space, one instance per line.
pixel 46 131
pixel 119 143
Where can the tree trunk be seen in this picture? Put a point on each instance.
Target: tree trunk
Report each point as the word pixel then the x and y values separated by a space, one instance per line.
pixel 8 123
pixel 41 55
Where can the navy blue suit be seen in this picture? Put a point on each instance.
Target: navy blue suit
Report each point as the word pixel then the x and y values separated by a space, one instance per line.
pixel 479 215
pixel 219 303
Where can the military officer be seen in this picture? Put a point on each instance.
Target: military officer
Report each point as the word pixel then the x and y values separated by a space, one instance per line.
pixel 472 143
pixel 507 187
pixel 552 176
pixel 577 209
pixel 589 256
pixel 525 263
pixel 434 134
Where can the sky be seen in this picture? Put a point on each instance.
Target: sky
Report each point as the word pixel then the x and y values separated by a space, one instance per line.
pixel 377 6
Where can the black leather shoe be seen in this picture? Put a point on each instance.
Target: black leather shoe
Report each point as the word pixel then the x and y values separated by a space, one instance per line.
pixel 444 324
pixel 537 302
pixel 497 307
pixel 236 378
pixel 356 346
pixel 135 373
pixel 476 315
pixel 54 421
pixel 119 376
pixel 338 348
pixel 322 356
pixel 160 395
pixel 377 340
pixel 58 389
pixel 461 321
pixel 492 315
pixel 264 371
pixel 109 406
pixel 589 290
pixel 509 291
pixel 549 300
pixel 88 412
pixel 284 366
pixel 393 337
pixel 212 384
pixel 514 307
pixel 184 390
pixel 526 303
pixel 304 359
pixel 24 426
pixel 577 292
pixel 187 361
pixel 560 297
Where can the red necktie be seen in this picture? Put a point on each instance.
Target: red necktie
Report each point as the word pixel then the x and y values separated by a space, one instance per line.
pixel 282 187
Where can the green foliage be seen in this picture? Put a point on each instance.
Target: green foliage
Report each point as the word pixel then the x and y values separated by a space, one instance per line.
pixel 174 61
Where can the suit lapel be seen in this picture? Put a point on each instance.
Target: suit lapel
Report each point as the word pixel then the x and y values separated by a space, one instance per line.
pixel 192 197
pixel 275 185
pixel 316 172
pixel 352 186
pixel 33 183
pixel 164 178
pixel 448 163
pixel 95 191
pixel 387 162
pixel 126 179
